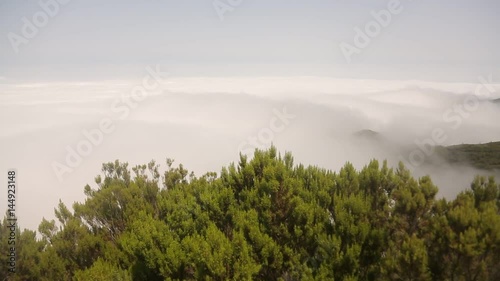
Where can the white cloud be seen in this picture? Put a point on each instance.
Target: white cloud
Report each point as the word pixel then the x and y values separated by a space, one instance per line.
pixel 201 122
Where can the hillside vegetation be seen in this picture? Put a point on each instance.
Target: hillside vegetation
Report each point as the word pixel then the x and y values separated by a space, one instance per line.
pixel 265 219
pixel 483 156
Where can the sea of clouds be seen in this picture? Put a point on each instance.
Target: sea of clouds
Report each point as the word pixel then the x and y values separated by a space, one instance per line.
pixel 205 122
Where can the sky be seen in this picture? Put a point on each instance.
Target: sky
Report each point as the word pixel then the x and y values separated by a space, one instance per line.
pixel 444 40
pixel 258 73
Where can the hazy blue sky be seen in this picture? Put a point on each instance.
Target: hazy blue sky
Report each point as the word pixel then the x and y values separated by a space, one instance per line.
pixel 438 39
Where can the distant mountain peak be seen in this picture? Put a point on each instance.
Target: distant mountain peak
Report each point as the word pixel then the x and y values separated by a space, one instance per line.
pixel 366 133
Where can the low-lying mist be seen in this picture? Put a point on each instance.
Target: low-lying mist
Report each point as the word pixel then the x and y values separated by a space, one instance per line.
pixel 204 123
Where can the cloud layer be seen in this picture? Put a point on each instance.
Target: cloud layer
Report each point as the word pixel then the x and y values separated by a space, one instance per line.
pixel 202 123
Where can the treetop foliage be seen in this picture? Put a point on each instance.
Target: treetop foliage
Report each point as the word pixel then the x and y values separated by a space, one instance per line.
pixel 267 219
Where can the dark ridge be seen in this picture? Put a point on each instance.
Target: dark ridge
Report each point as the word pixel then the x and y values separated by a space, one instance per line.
pixel 483 156
pixel 366 134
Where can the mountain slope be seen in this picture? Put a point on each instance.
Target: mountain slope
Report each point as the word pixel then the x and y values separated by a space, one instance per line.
pixel 482 156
